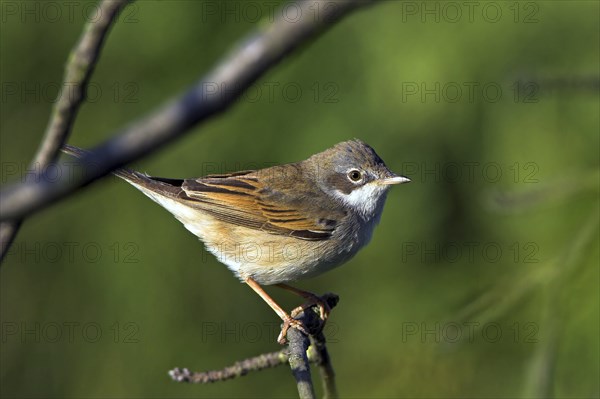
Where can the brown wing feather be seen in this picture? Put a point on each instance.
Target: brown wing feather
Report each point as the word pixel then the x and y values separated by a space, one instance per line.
pixel 239 199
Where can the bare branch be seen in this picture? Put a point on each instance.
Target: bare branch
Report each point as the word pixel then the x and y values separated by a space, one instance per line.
pixel 79 69
pixel 300 352
pixel 298 360
pixel 8 232
pixel 241 368
pixel 318 352
pixel 210 96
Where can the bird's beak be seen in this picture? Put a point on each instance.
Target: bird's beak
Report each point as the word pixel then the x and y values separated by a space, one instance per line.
pixel 394 180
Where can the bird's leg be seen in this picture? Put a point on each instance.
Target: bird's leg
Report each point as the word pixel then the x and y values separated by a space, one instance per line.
pixel 288 321
pixel 313 299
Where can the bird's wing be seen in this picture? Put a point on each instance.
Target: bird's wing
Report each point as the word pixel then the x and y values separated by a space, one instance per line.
pixel 240 199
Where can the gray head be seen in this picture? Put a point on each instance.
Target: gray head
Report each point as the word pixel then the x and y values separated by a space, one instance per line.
pixel 354 174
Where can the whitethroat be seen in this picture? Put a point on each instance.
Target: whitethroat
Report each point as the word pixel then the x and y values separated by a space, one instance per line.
pixel 283 223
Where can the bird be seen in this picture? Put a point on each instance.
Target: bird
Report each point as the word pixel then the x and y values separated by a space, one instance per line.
pixel 283 223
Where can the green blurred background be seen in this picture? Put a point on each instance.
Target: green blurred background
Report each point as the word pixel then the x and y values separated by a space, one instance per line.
pixel 481 280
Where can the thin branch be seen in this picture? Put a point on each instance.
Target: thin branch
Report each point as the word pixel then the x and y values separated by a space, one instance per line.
pixel 80 66
pixel 8 232
pixel 299 364
pixel 79 69
pixel 240 368
pixel 318 352
pixel 300 352
pixel 213 94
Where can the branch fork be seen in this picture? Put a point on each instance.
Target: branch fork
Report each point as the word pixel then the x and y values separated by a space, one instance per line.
pixel 299 353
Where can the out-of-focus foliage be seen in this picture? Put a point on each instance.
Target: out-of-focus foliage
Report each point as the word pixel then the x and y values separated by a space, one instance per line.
pixel 481 280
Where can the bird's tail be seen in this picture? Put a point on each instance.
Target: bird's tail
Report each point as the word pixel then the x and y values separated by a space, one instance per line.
pixel 126 174
pixel 163 191
pixel 75 151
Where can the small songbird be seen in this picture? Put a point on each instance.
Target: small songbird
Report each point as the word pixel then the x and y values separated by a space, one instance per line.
pixel 283 223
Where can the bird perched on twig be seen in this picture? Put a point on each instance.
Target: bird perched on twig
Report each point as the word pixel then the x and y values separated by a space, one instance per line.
pixel 283 223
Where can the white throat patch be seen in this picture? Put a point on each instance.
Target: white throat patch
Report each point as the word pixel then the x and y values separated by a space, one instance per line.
pixel 368 199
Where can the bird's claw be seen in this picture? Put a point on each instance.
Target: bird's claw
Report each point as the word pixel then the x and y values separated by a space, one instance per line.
pixel 293 323
pixel 324 308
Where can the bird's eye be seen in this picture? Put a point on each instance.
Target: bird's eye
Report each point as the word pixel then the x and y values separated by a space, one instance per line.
pixel 354 175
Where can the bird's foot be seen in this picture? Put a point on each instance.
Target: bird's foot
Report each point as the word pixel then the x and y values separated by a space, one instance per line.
pixel 324 308
pixel 290 322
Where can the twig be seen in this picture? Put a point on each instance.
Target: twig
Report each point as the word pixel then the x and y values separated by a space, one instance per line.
pixel 241 368
pixel 238 369
pixel 8 232
pixel 79 69
pixel 299 349
pixel 298 359
pixel 321 357
pixel 300 352
pixel 210 96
